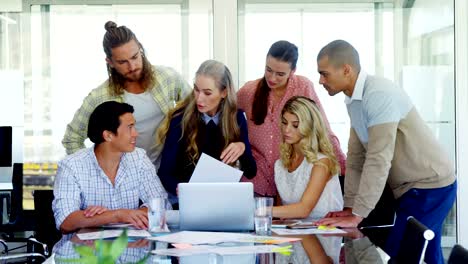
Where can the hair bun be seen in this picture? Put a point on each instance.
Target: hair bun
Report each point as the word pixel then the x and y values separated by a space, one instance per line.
pixel 110 25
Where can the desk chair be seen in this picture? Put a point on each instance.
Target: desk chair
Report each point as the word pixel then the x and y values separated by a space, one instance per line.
pixel 45 231
pixel 7 257
pixel 414 243
pixel 382 215
pixel 16 222
pixel 459 255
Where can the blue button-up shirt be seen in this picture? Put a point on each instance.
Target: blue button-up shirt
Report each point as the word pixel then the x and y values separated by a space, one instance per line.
pixel 80 183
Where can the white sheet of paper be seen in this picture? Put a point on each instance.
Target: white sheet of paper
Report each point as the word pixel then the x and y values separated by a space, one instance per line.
pixel 118 225
pixel 112 233
pixel 315 231
pixel 209 169
pixel 197 238
pixel 195 250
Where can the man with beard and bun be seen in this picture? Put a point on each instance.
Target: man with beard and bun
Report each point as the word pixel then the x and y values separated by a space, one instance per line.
pixel 151 90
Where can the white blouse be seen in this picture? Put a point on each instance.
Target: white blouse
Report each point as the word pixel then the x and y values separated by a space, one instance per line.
pixel 291 186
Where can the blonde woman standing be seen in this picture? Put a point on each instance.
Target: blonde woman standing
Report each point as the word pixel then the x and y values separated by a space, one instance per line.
pixel 206 121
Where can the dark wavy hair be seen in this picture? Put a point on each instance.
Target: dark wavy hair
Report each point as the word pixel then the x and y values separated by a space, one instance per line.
pixel 283 51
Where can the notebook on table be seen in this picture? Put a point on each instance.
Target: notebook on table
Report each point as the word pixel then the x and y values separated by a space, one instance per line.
pixel 216 206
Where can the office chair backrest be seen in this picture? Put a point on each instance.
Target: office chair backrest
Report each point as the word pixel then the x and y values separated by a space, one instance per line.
pixel 414 243
pixel 15 221
pixel 17 193
pixel 459 255
pixel 46 231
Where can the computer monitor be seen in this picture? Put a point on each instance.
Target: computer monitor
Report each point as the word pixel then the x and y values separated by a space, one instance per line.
pixel 5 146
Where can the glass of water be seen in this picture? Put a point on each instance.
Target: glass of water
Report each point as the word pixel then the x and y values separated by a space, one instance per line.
pixel 263 215
pixel 157 215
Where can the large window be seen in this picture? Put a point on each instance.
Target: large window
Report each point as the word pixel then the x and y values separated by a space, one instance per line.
pixel 67 59
pixel 310 26
pixel 64 61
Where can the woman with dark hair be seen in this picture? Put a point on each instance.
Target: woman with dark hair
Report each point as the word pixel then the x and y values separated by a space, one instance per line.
pixel 206 121
pixel 262 101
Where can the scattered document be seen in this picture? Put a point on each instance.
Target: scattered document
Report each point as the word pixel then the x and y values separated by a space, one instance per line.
pixel 311 231
pixel 111 233
pixel 118 225
pixel 209 169
pixel 204 249
pixel 282 223
pixel 197 238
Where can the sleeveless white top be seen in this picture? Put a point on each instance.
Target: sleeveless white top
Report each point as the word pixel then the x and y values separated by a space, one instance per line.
pixel 291 186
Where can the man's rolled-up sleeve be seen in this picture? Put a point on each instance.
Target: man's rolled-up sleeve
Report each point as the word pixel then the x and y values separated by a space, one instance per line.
pixel 66 194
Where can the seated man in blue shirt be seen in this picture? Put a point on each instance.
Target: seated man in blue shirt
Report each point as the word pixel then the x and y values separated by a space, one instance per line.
pixel 103 184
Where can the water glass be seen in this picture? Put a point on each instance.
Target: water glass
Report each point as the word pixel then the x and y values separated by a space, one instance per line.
pixel 157 215
pixel 263 215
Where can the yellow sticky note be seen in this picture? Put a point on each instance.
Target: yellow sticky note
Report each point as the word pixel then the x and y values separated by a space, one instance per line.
pixel 322 227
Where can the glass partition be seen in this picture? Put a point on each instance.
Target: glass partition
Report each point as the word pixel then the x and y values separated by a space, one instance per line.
pixel 64 61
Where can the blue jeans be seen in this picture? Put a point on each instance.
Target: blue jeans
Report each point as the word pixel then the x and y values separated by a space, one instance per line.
pixel 428 206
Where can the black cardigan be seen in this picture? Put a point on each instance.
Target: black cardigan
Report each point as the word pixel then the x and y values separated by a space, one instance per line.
pixel 176 166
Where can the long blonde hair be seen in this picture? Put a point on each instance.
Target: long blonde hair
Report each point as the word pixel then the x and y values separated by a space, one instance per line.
pixel 313 131
pixel 191 116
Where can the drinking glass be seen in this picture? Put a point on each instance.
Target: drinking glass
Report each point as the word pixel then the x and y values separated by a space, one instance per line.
pixel 263 215
pixel 157 215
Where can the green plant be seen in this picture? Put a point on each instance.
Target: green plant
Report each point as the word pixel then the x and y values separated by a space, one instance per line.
pixel 103 252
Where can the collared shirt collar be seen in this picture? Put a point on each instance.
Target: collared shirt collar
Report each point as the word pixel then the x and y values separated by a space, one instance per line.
pixel 207 118
pixel 358 88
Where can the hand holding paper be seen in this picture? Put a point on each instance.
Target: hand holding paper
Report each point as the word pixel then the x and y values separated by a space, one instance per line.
pixel 209 169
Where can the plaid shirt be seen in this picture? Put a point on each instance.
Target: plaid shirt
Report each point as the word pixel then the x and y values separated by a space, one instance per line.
pixel 80 183
pixel 169 88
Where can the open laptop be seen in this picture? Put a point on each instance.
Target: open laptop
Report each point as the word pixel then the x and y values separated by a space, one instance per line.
pixel 216 206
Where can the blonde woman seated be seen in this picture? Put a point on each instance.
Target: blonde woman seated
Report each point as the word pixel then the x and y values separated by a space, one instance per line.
pixel 206 121
pixel 306 175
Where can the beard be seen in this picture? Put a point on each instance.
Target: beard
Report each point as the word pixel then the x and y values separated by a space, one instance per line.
pixel 134 76
pixel 145 76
